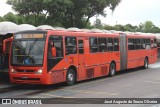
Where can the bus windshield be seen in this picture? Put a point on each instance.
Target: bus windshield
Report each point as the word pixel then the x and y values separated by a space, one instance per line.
pixel 28 52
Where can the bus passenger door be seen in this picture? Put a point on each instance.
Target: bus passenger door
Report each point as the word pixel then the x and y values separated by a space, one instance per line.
pixel 81 59
pixel 152 51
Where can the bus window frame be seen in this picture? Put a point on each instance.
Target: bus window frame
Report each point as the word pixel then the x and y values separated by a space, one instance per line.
pixel 102 46
pixel 70 46
pixel 95 46
pixel 133 44
pixel 80 48
pixel 62 43
pixel 114 45
pixel 26 39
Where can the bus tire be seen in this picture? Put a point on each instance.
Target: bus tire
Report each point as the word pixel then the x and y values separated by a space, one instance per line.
pixel 70 77
pixel 112 69
pixel 146 63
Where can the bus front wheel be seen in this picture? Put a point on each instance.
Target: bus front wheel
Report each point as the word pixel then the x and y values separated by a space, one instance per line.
pixel 112 69
pixel 71 77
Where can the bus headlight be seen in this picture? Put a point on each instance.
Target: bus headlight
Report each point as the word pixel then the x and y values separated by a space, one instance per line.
pixel 12 70
pixel 39 71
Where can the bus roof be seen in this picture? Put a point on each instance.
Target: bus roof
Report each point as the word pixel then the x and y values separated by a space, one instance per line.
pixel 96 32
pixel 32 31
pixel 140 35
pixel 79 33
pixel 87 32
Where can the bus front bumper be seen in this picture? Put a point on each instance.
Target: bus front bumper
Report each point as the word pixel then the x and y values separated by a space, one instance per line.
pixel 27 79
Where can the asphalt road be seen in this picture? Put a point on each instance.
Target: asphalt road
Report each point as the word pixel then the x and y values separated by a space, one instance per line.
pixel 134 83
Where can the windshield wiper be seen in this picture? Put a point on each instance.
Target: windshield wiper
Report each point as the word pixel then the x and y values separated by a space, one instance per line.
pixel 31 46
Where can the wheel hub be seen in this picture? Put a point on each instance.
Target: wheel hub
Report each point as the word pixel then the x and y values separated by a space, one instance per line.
pixel 112 70
pixel 70 77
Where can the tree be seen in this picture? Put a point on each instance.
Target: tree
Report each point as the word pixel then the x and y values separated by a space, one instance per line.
pixel 128 27
pixel 29 9
pixel 10 17
pixel 155 29
pixel 1 19
pixel 149 27
pixel 65 12
pixel 98 24
pixel 119 27
pixel 109 27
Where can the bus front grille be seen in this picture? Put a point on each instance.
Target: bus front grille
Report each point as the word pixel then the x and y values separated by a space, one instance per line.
pixel 25 70
pixel 32 79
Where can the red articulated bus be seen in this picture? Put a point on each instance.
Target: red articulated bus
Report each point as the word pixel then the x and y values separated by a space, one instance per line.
pixel 52 56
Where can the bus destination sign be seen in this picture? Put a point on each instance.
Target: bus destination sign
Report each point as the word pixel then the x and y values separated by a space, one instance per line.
pixel 28 36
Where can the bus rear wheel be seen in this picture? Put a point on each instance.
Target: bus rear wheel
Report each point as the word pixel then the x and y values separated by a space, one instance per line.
pixel 71 77
pixel 112 69
pixel 146 63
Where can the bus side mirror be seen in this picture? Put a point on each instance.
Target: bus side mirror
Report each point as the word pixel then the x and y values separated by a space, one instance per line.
pixel 53 52
pixel 6 45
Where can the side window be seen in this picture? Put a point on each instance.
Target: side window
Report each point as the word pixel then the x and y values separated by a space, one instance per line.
pixel 93 45
pixel 70 45
pixel 102 44
pixel 158 42
pixel 148 44
pixel 155 43
pixel 110 44
pixel 143 45
pixel 152 44
pixel 116 44
pixel 81 46
pixel 131 44
pixel 57 42
pixel 138 45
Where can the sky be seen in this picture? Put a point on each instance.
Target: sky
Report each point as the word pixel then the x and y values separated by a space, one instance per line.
pixel 4 8
pixel 128 11
pixel 134 12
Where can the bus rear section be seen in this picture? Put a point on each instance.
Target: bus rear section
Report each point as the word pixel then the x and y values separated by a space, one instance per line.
pixel 141 50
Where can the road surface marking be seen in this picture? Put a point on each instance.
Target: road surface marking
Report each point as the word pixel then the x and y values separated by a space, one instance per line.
pixel 156 78
pixel 157 65
pixel 158 105
pixel 91 92
pixel 112 94
pixel 36 97
pixel 57 96
pixel 154 82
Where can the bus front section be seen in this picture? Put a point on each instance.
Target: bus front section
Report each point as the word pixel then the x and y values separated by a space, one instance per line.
pixel 27 57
